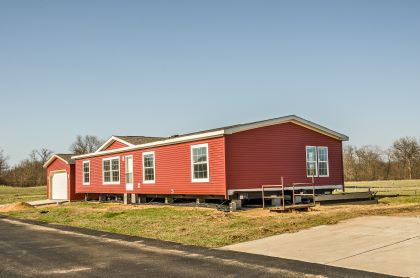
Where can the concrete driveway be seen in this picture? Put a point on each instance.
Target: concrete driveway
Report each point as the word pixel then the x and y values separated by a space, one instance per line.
pixel 32 249
pixel 389 245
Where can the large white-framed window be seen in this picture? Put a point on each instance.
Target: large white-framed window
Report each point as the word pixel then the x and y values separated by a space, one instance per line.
pixel 86 172
pixel 149 167
pixel 311 161
pixel 323 164
pixel 200 163
pixel 111 170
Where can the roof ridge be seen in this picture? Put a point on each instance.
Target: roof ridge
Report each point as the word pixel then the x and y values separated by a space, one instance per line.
pixel 137 136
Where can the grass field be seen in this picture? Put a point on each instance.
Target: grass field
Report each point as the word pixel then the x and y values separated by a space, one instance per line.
pixel 195 226
pixel 10 194
pixel 199 226
pixel 409 190
pixel 389 183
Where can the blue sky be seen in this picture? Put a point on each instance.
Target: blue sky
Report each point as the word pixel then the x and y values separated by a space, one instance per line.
pixel 169 67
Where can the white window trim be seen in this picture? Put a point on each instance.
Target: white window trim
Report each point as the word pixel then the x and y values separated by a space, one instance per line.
pixel 154 168
pixel 316 161
pixel 208 163
pixel 328 162
pixel 110 165
pixel 83 172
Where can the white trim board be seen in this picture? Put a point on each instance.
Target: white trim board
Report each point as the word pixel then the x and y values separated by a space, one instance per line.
pixel 110 141
pixel 181 139
pixel 52 158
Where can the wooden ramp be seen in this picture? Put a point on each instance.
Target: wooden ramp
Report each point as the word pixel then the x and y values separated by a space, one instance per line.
pixel 356 198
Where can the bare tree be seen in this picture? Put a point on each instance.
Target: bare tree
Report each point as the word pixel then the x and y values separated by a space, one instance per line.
pixel 350 163
pixel 86 144
pixel 407 151
pixel 388 167
pixel 370 161
pixel 43 155
pixel 364 163
pixel 3 162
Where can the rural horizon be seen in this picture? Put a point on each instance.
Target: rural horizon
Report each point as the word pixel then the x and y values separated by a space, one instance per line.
pixel 14 161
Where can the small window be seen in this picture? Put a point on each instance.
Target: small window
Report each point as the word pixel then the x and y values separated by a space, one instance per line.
pixel 86 172
pixel 111 170
pixel 311 169
pixel 149 167
pixel 200 163
pixel 323 167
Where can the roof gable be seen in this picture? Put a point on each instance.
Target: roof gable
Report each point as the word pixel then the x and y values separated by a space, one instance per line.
pixel 287 119
pixel 66 158
pixel 128 141
pixel 110 141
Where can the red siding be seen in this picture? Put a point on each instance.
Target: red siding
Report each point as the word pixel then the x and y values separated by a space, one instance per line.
pixel 172 171
pixel 59 165
pixel 116 145
pixel 262 156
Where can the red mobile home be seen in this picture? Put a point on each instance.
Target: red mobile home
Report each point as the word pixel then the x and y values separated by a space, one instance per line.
pixel 218 163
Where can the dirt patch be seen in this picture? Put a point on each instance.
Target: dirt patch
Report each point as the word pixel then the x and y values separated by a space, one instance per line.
pixel 15 207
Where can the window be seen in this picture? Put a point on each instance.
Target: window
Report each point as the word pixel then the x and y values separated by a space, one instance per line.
pixel 111 170
pixel 86 172
pixel 149 167
pixel 200 163
pixel 311 169
pixel 323 167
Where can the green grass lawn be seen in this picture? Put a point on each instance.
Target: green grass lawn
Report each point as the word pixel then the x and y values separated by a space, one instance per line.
pixel 195 226
pixel 388 183
pixel 198 226
pixel 9 194
pixel 409 190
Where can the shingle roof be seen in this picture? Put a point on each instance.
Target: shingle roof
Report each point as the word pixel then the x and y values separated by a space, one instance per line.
pixel 66 157
pixel 137 140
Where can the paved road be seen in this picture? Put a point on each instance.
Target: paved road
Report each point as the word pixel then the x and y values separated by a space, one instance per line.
pixel 384 244
pixel 31 250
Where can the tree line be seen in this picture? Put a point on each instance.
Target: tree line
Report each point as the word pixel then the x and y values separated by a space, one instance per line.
pixel 399 161
pixel 30 171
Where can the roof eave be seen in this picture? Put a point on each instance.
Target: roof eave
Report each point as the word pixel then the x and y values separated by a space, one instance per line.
pixel 169 141
pixel 52 158
pixel 224 131
pixel 110 141
pixel 294 119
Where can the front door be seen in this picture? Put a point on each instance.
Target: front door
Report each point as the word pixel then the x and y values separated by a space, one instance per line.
pixel 129 173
